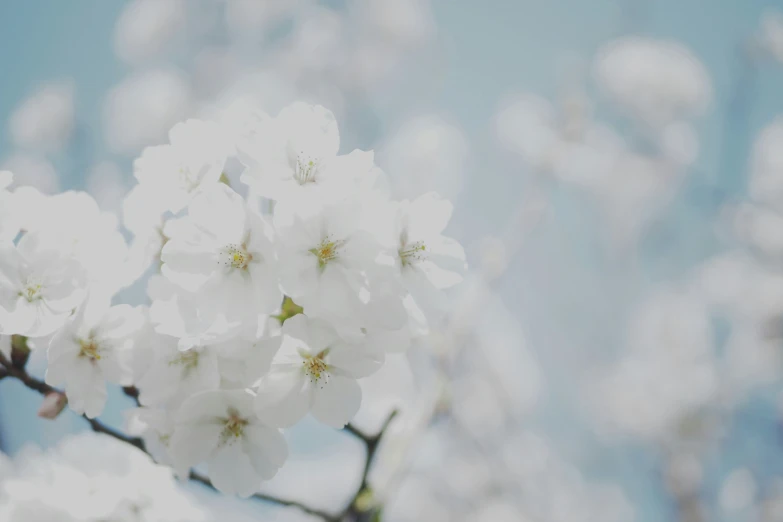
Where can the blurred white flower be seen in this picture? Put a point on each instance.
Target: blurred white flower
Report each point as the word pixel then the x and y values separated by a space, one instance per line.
pixel 655 81
pixel 93 477
pixel 145 27
pixel 771 33
pixel 249 18
pixel 762 228
pixel 45 120
pixel 425 153
pixel 143 107
pixel 738 491
pixel 766 177
pixel 32 171
pixel 668 372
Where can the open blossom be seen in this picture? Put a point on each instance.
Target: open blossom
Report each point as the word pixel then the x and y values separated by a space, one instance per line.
pixel 77 227
pixel 39 287
pixel 224 251
pixel 221 428
pixel 92 348
pixel 314 371
pixel 325 260
pixel 428 261
pixel 177 312
pixel 295 154
pixel 173 173
pixel 173 376
pixel 154 426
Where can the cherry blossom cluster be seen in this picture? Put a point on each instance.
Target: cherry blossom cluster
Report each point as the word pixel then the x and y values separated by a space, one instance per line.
pixel 268 299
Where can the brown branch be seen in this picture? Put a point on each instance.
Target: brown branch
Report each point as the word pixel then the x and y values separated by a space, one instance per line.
pixel 7 369
pixel 133 393
pixel 98 427
pixel 10 370
pixel 26 379
pixel 354 511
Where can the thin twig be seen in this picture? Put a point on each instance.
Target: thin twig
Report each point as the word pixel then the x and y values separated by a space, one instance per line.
pixel 26 379
pixel 371 444
pixel 133 393
pixel 98 427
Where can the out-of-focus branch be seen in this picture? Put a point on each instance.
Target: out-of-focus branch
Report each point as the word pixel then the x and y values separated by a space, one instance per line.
pixel 362 507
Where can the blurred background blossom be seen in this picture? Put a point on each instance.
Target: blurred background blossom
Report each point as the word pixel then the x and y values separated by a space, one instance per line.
pixel 617 173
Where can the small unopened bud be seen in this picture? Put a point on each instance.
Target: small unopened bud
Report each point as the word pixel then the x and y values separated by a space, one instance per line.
pixel 52 405
pixel 20 352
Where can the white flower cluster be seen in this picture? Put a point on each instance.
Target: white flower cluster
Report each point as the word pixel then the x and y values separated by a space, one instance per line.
pixel 256 318
pixel 91 477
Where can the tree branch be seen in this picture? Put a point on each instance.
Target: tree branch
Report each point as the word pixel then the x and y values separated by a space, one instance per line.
pixel 355 511
pixel 352 511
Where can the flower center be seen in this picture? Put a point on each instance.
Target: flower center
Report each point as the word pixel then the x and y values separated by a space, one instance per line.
pixel 234 256
pixel 188 360
pixel 306 169
pixel 233 427
pixel 187 180
pixel 315 367
pixel 32 289
pixel 411 253
pixel 327 251
pixel 89 348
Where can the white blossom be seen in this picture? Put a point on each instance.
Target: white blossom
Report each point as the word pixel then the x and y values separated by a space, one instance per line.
pixel 39 287
pixel 295 155
pixel 428 261
pixel 92 348
pixel 314 371
pixel 220 427
pixel 325 259
pixel 224 252
pixel 195 157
